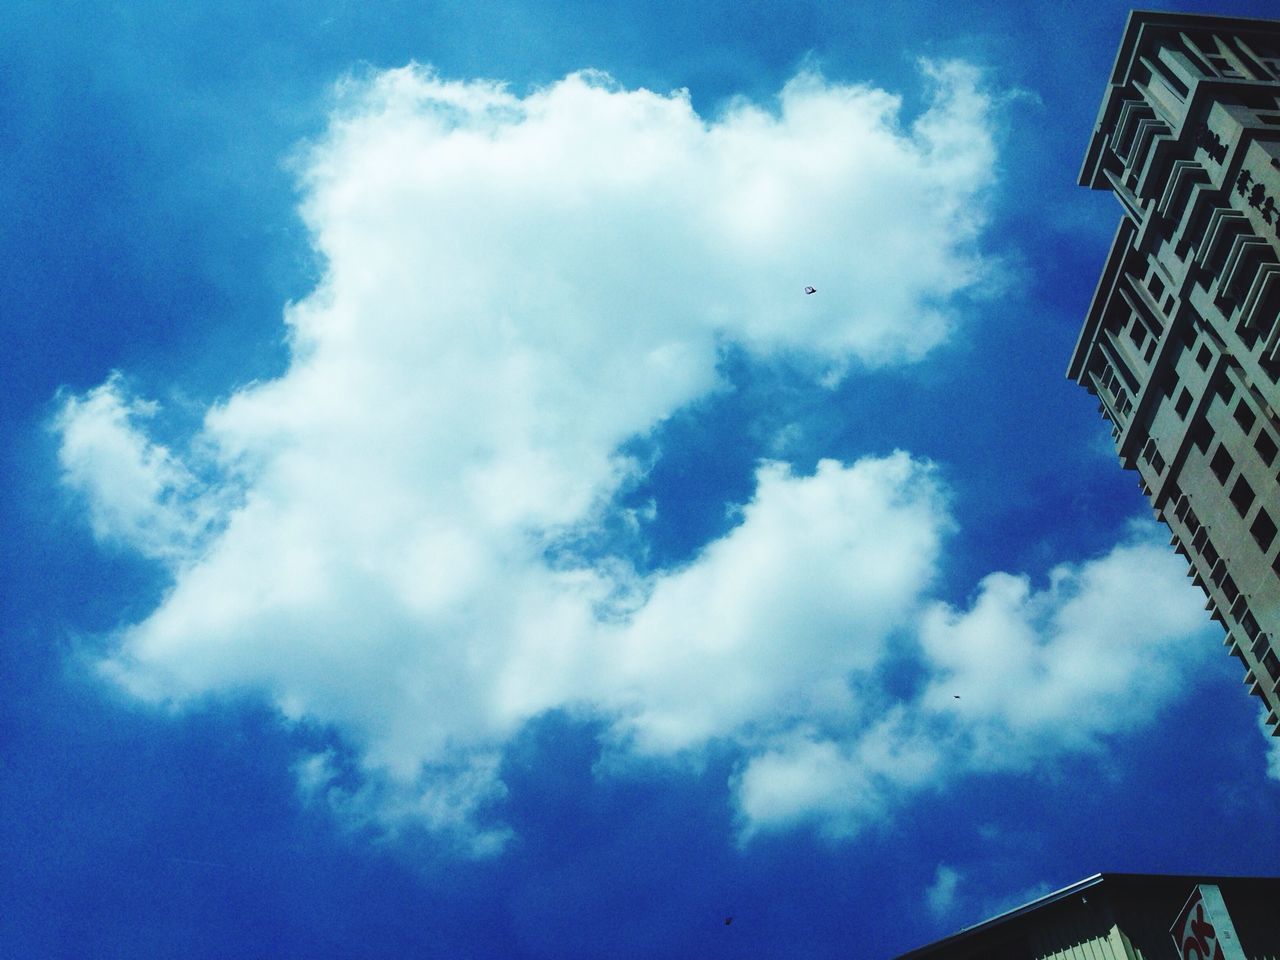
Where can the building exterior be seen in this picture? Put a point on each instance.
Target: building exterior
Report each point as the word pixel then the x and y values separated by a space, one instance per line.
pixel 1129 916
pixel 1181 344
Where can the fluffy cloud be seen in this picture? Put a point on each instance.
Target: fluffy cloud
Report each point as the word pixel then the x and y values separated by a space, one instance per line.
pixel 1018 677
pixel 514 288
pixel 768 625
pixel 137 492
pixel 1096 651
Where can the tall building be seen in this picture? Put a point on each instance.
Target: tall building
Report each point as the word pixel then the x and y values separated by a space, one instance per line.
pixel 1181 345
pixel 1129 916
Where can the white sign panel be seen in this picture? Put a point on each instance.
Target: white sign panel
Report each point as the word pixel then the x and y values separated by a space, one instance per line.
pixel 1203 930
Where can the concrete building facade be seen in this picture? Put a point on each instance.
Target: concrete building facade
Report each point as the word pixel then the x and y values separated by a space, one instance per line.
pixel 1129 916
pixel 1181 344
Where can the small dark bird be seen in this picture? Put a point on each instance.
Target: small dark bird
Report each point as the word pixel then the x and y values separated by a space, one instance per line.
pixel 728 920
pixel 810 289
pixel 956 696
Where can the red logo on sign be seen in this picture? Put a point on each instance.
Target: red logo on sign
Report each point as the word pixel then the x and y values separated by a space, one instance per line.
pixel 1200 940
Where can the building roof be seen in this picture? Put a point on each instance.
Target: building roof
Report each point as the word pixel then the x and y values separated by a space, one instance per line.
pixel 1138 23
pixel 1118 883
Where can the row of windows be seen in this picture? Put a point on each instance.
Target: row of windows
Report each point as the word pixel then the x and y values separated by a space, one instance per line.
pixel 1259 642
pixel 1263 443
pixel 1203 359
pixel 1260 646
pixel 1242 497
pixel 1109 382
pixel 1221 385
pixel 1152 455
pixel 1263 530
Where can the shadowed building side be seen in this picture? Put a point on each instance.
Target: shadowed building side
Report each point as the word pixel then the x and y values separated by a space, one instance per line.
pixel 1181 344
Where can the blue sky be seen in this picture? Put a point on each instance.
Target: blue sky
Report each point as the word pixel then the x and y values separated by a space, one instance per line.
pixel 438 522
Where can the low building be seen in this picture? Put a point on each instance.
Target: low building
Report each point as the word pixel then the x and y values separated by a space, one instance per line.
pixel 1130 916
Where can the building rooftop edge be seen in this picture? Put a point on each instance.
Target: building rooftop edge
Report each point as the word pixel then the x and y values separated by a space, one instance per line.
pixel 1134 23
pixel 1160 18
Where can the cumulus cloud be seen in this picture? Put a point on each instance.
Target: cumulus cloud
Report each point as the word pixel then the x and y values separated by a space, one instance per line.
pixel 1094 652
pixel 1017 678
pixel 767 625
pixel 514 288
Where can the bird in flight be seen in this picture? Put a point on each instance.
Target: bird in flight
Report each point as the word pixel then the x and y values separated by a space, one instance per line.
pixel 810 289
pixel 728 920
pixel 956 696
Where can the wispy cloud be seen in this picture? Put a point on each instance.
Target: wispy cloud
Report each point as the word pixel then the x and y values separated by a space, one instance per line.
pixel 138 493
pixel 940 896
pixel 1273 748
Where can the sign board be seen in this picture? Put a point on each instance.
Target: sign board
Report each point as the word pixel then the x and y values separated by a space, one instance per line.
pixel 1203 930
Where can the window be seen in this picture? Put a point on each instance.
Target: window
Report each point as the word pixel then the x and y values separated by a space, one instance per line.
pixel 1230 590
pixel 1201 435
pixel 1244 416
pixel 1183 404
pixel 1156 286
pixel 1157 461
pixel 1222 386
pixel 1192 521
pixel 1266 447
pixel 1138 333
pixel 1242 496
pixel 1272 663
pixel 1270 367
pixel 1263 530
pixel 1222 464
pixel 1203 356
pixel 1249 625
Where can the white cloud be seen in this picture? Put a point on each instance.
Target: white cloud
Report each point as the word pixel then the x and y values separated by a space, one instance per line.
pixel 842 782
pixel 941 894
pixel 1095 652
pixel 514 288
pixel 137 492
pixel 1017 679
pixel 767 625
